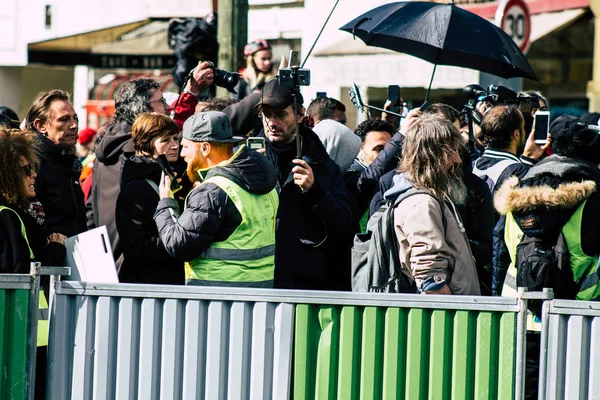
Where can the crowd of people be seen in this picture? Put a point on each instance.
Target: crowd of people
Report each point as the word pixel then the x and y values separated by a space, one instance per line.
pixel 284 215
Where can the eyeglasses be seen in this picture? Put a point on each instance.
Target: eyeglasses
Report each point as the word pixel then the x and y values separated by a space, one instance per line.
pixel 161 100
pixel 28 169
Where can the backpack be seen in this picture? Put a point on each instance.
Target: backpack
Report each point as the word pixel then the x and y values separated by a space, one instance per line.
pixel 376 265
pixel 545 263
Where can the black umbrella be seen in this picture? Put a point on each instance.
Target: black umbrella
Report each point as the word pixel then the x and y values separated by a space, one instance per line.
pixel 442 34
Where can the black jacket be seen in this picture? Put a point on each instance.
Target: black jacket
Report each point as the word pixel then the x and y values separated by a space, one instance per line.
pixel 57 187
pixel 106 182
pixel 314 229
pixel 548 194
pixel 210 215
pixel 14 252
pixel 145 259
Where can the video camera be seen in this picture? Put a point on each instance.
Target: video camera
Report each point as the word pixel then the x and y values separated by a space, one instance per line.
pixel 294 76
pixel 494 95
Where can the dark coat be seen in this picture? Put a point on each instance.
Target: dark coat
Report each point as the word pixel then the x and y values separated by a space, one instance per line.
pixel 106 183
pixel 57 187
pixel 549 193
pixel 314 229
pixel 210 215
pixel 14 252
pixel 145 259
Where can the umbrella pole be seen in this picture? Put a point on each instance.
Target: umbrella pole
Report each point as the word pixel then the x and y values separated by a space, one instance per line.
pixel 430 83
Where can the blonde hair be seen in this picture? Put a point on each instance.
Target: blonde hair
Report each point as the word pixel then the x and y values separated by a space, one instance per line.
pixel 255 78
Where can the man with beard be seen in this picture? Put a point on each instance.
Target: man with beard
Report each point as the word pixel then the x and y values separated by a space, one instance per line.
pixel 504 137
pixel 434 248
pixel 226 233
pixel 314 225
pixel 134 98
pixel 53 118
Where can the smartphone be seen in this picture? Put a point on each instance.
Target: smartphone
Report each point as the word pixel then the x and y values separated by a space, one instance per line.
pixel 255 143
pixel 294 60
pixel 321 94
pixel 541 126
pixel 166 168
pixel 393 96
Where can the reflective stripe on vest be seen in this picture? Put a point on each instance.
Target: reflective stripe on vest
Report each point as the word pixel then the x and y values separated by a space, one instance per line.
pixel 42 315
pixel 585 268
pixel 246 257
pixel 492 174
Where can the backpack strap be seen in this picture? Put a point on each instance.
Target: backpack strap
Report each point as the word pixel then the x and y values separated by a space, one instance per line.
pixel 153 185
pixel 390 219
pixel 413 192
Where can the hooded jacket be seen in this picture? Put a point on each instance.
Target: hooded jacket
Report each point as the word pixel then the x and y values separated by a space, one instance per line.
pixel 549 193
pixel 145 259
pixel 433 253
pixel 314 228
pixel 210 215
pixel 341 143
pixel 105 182
pixel 57 188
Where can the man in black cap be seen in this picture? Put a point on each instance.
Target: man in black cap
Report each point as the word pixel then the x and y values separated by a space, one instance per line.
pixel 226 233
pixel 314 230
pixel 558 194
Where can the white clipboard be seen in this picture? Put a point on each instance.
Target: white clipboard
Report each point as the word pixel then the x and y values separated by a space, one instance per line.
pixel 90 257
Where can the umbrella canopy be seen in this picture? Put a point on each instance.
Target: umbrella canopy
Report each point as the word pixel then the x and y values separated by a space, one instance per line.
pixel 442 34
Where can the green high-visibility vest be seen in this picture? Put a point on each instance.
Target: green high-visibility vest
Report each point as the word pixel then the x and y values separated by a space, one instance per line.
pixel 584 267
pixel 247 256
pixel 42 336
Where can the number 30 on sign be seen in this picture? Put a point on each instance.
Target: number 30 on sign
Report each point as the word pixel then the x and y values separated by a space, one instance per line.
pixel 513 17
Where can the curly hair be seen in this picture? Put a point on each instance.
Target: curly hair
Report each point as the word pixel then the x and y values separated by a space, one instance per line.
pixel 133 98
pixel 15 144
pixel 149 127
pixel 371 125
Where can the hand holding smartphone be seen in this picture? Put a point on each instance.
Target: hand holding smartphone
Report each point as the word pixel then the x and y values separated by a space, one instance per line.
pixel 166 168
pixel 394 98
pixel 541 127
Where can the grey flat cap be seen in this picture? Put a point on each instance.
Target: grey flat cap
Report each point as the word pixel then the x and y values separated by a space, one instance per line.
pixel 210 126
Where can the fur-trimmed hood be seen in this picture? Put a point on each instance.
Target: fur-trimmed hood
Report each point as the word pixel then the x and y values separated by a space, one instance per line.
pixel 512 198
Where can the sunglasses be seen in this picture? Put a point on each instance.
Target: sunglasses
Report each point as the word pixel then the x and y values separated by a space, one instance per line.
pixel 28 169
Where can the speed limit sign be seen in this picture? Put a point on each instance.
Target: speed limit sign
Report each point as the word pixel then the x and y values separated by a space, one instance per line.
pixel 512 16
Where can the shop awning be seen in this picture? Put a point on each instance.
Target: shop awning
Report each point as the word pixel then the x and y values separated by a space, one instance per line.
pixel 84 41
pixel 150 39
pixel 541 25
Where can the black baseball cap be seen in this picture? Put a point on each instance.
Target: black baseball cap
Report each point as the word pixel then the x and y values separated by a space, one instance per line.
pixel 277 96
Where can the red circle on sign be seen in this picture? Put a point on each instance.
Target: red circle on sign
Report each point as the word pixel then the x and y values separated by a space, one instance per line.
pixel 520 4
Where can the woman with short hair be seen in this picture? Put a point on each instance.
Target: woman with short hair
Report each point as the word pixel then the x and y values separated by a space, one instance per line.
pixel 145 259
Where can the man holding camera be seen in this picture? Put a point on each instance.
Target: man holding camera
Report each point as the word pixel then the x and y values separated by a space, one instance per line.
pixel 226 233
pixel 314 230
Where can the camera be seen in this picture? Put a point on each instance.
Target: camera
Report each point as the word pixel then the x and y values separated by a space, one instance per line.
pixel 294 76
pixel 224 79
pixel 494 95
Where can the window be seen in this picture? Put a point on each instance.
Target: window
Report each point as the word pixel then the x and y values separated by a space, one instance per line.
pixel 48 16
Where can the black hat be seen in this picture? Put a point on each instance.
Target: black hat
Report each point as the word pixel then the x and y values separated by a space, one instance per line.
pixel 277 96
pixel 571 137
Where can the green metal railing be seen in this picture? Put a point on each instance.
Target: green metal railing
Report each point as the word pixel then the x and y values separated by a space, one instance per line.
pixel 351 352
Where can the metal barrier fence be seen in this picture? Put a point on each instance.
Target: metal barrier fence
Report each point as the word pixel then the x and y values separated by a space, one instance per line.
pixel 165 342
pixel 18 334
pixel 571 334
